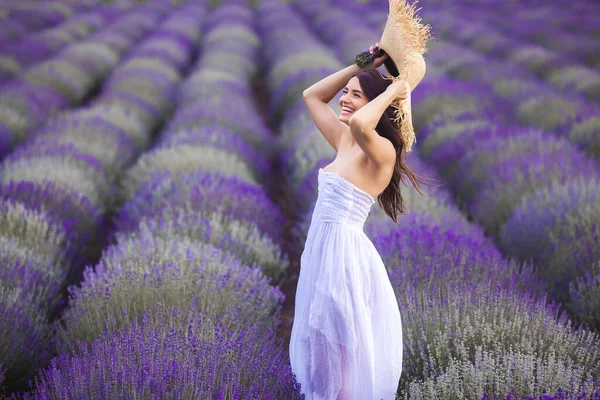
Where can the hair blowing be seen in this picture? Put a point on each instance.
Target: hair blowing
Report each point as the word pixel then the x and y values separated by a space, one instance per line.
pixel 373 84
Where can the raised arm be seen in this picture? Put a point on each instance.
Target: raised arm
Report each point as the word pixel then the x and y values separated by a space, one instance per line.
pixel 317 97
pixel 364 121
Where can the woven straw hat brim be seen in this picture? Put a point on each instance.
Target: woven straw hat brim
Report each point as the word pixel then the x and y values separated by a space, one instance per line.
pixel 404 39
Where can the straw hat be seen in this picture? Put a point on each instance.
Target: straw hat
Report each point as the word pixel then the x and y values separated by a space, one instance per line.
pixel 404 39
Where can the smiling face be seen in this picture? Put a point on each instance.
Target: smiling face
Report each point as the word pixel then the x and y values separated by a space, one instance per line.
pixel 352 100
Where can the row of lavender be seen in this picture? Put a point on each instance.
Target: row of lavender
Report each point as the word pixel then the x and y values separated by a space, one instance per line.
pixel 18 55
pixel 181 300
pixel 55 194
pixel 562 68
pixel 539 21
pixel 19 19
pixel 572 31
pixel 68 78
pixel 530 182
pixel 433 255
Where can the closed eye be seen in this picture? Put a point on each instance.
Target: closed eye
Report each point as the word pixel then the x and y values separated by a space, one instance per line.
pixel 355 92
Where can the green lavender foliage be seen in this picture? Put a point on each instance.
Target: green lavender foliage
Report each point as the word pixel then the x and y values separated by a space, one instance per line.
pixel 70 172
pixel 99 58
pixel 120 117
pixel 150 64
pixel 148 90
pixel 182 158
pixel 16 114
pixel 547 112
pixel 136 112
pixel 535 58
pixel 29 229
pixel 462 66
pixel 94 139
pixel 70 80
pixel 450 130
pixel 586 134
pixel 300 62
pixel 470 380
pixel 444 105
pixel 513 87
pixel 9 67
pixel 579 78
pixel 242 238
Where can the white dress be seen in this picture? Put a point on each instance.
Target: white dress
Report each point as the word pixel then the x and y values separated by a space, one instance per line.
pixel 346 340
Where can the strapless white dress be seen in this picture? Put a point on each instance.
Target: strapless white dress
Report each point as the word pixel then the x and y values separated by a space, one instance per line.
pixel 346 340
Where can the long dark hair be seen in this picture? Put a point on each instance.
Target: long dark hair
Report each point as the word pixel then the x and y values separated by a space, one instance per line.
pixel 373 84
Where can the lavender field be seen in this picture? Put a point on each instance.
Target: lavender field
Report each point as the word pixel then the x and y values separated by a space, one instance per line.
pixel 158 172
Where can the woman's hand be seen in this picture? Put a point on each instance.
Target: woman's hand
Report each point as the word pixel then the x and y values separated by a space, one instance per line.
pixel 379 60
pixel 401 89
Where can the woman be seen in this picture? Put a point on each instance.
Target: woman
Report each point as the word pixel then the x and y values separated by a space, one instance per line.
pixel 346 340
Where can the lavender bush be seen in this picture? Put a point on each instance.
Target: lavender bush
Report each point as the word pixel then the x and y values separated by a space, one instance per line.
pixel 459 344
pixel 571 248
pixel 579 79
pixel 242 238
pixel 221 287
pixel 212 108
pixel 548 112
pixel 182 159
pixel 216 135
pixel 440 98
pixel 585 296
pixel 94 136
pixel 585 132
pixel 25 270
pixel 422 257
pixel 67 166
pixel 26 335
pixel 111 118
pixel 527 231
pixel 492 206
pixel 201 190
pixel 67 207
pixel 35 229
pixel 444 141
pixel 171 353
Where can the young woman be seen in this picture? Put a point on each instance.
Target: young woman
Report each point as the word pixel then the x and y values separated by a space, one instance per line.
pixel 346 340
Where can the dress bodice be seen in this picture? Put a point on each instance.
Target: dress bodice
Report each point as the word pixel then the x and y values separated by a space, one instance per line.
pixel 341 201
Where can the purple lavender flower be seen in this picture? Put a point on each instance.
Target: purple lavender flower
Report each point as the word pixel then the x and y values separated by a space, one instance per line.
pixel 172 352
